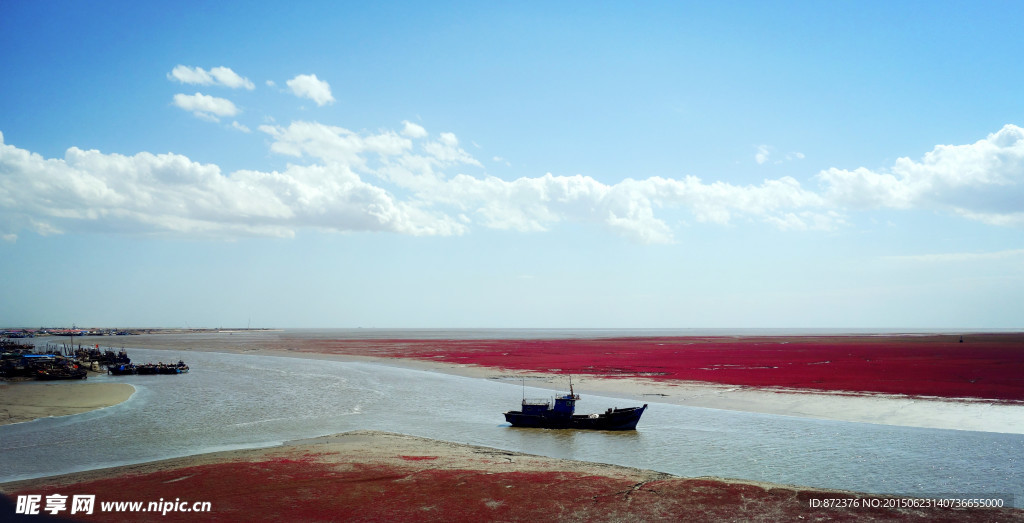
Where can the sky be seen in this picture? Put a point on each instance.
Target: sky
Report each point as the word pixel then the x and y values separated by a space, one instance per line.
pixel 512 164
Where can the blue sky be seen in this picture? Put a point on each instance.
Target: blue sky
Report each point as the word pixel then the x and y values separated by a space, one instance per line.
pixel 487 164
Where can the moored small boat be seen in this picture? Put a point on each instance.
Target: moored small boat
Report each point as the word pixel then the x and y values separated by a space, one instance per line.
pixel 121 369
pixel 562 415
pixel 68 373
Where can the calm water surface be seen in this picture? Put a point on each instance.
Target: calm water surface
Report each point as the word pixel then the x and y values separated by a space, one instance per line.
pixel 231 401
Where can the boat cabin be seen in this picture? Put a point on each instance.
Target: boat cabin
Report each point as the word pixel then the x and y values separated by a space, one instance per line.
pixel 537 407
pixel 564 405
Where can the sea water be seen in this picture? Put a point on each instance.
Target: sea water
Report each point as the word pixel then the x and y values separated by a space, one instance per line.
pixel 231 401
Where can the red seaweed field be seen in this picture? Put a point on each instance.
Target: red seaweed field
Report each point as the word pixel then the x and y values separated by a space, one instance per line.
pixel 310 490
pixel 986 366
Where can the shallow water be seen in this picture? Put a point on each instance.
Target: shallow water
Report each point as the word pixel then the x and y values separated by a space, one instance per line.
pixel 231 401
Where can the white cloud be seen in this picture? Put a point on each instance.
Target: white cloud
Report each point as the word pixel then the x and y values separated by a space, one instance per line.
pixel 309 86
pixel 983 181
pixel 240 127
pixel 628 207
pixel 763 153
pixel 412 130
pixel 766 153
pixel 205 106
pixel 446 151
pixel 168 193
pixel 398 181
pixel 335 145
pixel 394 154
pixel 217 76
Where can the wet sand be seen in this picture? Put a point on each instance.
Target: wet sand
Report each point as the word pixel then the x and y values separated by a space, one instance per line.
pixel 375 476
pixel 26 401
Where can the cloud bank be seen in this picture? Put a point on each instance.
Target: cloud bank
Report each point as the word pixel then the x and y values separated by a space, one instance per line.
pixel 983 181
pixel 205 106
pixel 412 182
pixel 222 76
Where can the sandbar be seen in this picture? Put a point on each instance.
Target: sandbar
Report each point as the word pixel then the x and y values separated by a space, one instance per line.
pixel 26 401
pixel 378 476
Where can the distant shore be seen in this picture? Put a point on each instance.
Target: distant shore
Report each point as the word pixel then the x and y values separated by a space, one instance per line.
pixel 65 332
pixel 378 476
pixel 26 401
pixel 978 414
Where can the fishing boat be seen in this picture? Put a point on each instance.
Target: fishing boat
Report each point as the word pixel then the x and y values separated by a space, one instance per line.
pixel 121 369
pixel 62 373
pixel 562 415
pixel 170 368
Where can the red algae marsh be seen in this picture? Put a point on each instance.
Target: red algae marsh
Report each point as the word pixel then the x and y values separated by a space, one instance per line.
pixel 367 476
pixel 984 366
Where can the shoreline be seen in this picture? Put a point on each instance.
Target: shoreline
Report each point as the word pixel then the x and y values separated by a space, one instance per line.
pixel 973 414
pixel 370 475
pixel 887 409
pixel 28 401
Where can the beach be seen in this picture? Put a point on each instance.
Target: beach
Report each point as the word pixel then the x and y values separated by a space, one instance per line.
pixel 376 476
pixel 26 401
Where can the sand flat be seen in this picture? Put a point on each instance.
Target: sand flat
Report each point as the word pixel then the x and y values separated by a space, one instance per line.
pixel 26 401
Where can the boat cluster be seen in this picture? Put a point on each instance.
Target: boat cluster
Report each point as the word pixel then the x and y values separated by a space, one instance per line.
pixel 94 357
pixel 17 361
pixel 68 363
pixel 33 333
